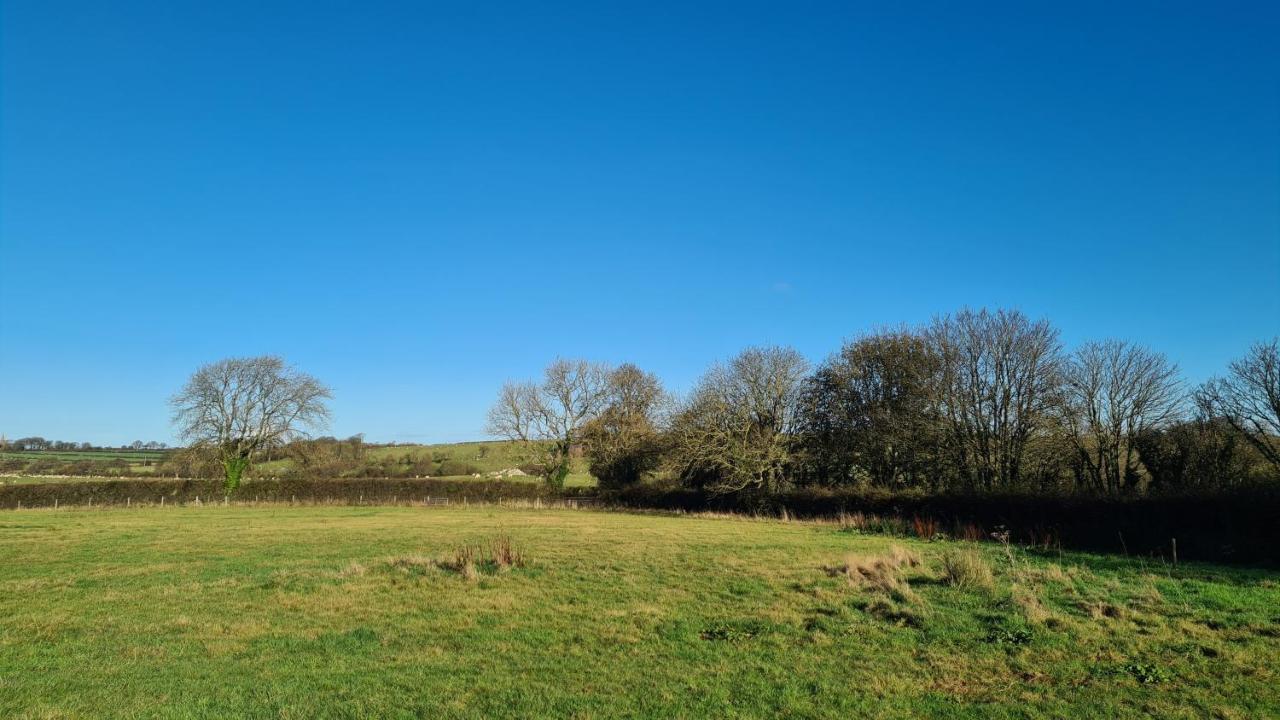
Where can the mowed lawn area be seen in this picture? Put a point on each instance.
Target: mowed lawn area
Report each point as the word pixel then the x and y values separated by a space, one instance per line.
pixel 361 612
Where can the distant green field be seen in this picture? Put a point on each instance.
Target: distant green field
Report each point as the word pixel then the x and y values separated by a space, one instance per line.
pixel 127 455
pixel 487 457
pixel 343 612
pixel 74 462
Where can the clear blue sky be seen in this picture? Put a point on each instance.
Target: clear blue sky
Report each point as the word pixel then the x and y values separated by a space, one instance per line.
pixel 415 201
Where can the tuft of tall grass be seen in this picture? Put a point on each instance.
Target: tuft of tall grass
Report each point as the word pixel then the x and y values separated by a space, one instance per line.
pixel 880 573
pixel 966 569
pixel 497 554
pixel 504 554
pixel 925 528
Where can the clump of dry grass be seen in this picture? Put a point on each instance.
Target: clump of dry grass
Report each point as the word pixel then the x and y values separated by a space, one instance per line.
pixel 1028 602
pixel 463 561
pixel 504 554
pixel 498 554
pixel 966 569
pixel 880 573
pixel 411 564
pixel 353 569
pixel 1099 609
pixel 925 528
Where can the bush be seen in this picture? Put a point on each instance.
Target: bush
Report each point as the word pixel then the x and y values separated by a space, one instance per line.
pixel 452 467
pixel 351 490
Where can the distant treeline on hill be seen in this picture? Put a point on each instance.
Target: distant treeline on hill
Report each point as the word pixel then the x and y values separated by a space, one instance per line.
pixel 39 444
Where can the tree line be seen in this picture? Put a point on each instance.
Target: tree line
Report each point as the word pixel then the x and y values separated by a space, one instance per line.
pixel 977 400
pixel 36 443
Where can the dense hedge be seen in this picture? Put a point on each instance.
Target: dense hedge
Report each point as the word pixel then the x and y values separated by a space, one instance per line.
pixel 353 490
pixel 1241 525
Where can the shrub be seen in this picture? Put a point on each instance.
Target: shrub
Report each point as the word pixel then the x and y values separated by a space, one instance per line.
pixel 453 467
pixel 966 569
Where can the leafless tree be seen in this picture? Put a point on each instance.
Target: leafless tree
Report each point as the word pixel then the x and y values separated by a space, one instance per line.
pixel 999 377
pixel 512 415
pixel 553 413
pixel 1249 398
pixel 240 407
pixel 735 431
pixel 1112 393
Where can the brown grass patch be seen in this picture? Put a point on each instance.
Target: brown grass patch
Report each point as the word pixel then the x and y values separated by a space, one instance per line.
pixel 353 569
pixel 880 573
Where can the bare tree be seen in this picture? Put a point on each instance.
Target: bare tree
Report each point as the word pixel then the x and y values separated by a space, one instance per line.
pixel 999 377
pixel 241 407
pixel 512 415
pixel 550 416
pixel 1113 392
pixel 1248 398
pixel 735 432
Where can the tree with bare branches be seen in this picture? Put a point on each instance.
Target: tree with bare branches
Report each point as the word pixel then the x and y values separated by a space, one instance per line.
pixel 549 416
pixel 1248 398
pixel 239 408
pixel 735 432
pixel 1113 393
pixel 999 375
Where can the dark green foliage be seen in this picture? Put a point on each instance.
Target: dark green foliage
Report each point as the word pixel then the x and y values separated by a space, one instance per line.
pixel 1008 636
pixel 870 414
pixel 453 468
pixel 1147 673
pixel 349 490
pixel 1240 525
pixel 1200 453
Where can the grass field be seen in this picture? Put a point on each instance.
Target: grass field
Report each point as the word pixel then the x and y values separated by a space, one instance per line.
pixel 487 457
pixel 138 461
pixel 356 612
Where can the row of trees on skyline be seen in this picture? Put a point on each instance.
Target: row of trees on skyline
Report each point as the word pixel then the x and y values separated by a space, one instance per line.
pixel 975 400
pixel 36 443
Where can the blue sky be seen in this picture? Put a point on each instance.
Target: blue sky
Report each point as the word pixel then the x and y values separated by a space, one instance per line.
pixel 416 201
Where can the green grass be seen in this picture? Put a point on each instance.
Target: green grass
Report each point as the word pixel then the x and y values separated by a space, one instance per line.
pixel 130 455
pixel 140 461
pixel 340 612
pixel 487 457
pixel 490 456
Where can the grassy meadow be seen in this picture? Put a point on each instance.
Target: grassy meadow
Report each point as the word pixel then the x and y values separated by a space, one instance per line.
pixel 301 612
pixel 394 460
pixel 57 462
